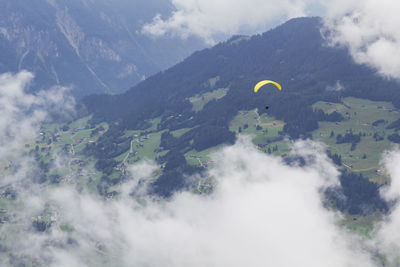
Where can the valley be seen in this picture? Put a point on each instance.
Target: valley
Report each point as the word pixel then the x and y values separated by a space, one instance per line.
pixel 102 181
pixel 364 118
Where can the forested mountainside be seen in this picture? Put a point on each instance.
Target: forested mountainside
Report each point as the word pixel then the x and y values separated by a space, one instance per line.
pixel 202 97
pixel 294 54
pixel 96 46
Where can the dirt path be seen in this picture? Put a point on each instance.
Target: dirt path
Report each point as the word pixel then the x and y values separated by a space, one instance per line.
pixel 258 117
pixel 130 151
pixel 364 170
pixel 274 123
pixel 358 170
pixel 72 146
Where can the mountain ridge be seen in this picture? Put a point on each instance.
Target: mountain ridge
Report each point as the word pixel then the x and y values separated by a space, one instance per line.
pixel 94 46
pixel 293 54
pixel 317 67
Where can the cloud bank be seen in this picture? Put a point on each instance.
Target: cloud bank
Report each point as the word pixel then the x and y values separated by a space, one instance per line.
pixel 370 30
pixel 213 20
pixel 262 212
pixel 22 114
pixel 387 239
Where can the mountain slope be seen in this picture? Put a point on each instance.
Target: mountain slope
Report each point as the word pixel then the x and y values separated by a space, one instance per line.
pixel 206 100
pixel 293 54
pixel 93 45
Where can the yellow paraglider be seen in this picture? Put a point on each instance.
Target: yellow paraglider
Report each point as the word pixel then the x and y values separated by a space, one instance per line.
pixel 262 83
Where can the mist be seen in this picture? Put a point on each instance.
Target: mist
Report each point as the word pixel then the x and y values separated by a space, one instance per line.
pixel 261 211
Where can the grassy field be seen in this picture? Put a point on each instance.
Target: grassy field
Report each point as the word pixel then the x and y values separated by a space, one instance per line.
pixel 201 158
pixel 268 131
pixel 154 123
pixel 146 148
pixel 246 122
pixel 77 135
pixel 180 132
pixel 199 101
pixel 360 114
pixel 212 82
pixel 361 225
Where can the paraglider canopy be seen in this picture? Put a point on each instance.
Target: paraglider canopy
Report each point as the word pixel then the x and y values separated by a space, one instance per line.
pixel 262 83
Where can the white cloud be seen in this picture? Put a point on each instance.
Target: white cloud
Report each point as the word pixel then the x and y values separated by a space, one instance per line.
pixel 370 30
pixel 387 233
pixel 211 19
pixel 140 174
pixel 337 87
pixel 22 112
pixel 261 213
